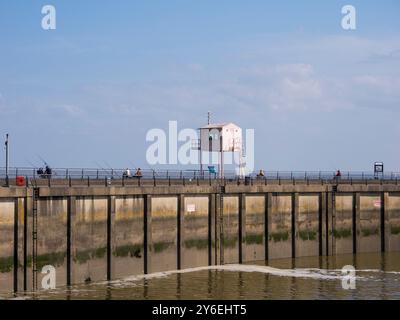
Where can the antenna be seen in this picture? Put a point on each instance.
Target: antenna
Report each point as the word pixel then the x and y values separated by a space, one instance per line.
pixel 208 117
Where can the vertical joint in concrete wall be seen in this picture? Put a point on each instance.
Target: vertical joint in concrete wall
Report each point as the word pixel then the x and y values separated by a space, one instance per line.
pixel 295 213
pixel 16 262
pixel 242 225
pixel 322 224
pixel 211 226
pixel 180 228
pixel 147 232
pixel 218 225
pixel 110 216
pixel 221 229
pixel 268 211
pixel 71 210
pixel 386 222
pixel 356 219
pixel 382 218
pixel 330 239
pixel 27 209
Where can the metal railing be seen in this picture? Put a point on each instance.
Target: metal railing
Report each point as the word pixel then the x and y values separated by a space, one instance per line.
pixel 107 176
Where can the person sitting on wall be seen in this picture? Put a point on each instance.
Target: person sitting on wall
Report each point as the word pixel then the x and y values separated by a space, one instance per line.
pixel 138 173
pixel 40 171
pixel 127 173
pixel 261 174
pixel 338 174
pixel 48 171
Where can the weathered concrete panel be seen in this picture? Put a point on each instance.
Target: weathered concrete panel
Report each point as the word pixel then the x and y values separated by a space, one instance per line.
pixel 127 254
pixel 195 232
pixel 343 226
pixel 280 227
pixel 368 229
pixel 6 245
pixel 393 227
pixel 231 229
pixel 89 240
pixel 254 239
pixel 52 238
pixel 163 234
pixel 307 228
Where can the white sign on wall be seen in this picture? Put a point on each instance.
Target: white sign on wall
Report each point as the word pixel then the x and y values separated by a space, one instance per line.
pixel 191 208
pixel 377 203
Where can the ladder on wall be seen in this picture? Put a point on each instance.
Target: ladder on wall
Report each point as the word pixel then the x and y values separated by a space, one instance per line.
pixel 221 224
pixel 34 238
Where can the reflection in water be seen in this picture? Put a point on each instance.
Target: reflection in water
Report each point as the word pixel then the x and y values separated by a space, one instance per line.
pixel 377 277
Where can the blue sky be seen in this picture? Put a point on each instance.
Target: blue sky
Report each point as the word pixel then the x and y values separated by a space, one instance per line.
pixel 319 97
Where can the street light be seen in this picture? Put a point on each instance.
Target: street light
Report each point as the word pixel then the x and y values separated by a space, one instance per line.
pixel 6 143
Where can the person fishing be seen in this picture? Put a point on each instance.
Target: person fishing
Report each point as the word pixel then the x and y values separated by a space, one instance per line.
pixel 127 173
pixel 138 173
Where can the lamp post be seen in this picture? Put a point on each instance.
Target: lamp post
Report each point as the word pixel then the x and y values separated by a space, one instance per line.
pixel 7 160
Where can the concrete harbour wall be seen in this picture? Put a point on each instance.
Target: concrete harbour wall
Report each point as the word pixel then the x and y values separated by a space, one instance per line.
pixel 102 233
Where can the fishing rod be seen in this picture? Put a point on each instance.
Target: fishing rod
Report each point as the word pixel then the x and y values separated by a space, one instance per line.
pixel 101 167
pixel 110 168
pixel 41 159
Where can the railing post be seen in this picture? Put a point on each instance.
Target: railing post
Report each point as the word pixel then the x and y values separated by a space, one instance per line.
pixel 82 174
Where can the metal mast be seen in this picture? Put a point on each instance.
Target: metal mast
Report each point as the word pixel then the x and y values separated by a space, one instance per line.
pixel 7 160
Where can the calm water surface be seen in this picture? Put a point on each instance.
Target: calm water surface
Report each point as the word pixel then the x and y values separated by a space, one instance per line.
pixel 377 277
